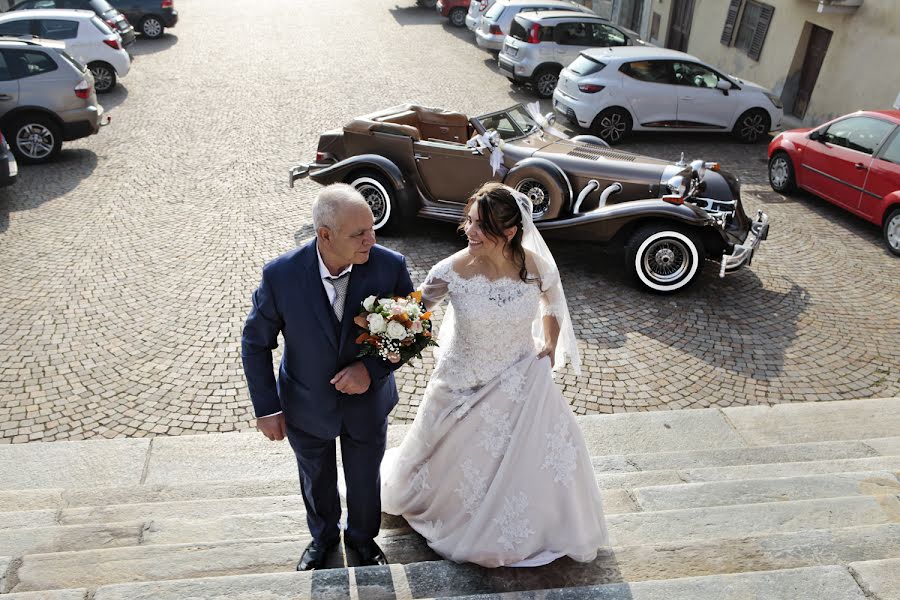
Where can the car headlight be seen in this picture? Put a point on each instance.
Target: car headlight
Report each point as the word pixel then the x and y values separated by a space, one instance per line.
pixel 774 99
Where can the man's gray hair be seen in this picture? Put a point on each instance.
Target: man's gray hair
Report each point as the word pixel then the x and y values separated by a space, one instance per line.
pixel 331 200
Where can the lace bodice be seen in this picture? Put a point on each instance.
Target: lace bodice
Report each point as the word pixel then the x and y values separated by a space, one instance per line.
pixel 491 327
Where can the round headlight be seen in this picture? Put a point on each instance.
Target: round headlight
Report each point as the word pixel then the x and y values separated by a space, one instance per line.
pixel 676 185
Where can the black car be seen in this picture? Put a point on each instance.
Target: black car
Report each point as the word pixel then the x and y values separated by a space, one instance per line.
pixel 151 17
pixel 115 19
pixel 9 169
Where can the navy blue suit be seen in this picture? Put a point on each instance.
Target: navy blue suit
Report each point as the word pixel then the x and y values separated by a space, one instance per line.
pixel 292 300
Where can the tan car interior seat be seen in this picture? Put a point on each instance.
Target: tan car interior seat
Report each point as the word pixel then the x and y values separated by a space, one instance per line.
pixel 416 122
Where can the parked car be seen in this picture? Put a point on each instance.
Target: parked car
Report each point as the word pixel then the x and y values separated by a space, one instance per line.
pixel 410 161
pixel 455 10
pixel 495 23
pixel 9 169
pixel 541 44
pixel 46 97
pixel 852 161
pixel 88 39
pixel 614 91
pixel 150 16
pixel 112 17
pixel 476 9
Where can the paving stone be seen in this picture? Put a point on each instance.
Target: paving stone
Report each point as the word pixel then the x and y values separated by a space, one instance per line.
pixel 879 578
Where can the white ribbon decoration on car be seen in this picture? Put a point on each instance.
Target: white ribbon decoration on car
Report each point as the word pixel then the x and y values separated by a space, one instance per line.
pixel 534 111
pixel 491 141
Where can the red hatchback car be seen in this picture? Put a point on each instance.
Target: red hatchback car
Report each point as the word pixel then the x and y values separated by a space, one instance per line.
pixel 455 10
pixel 852 161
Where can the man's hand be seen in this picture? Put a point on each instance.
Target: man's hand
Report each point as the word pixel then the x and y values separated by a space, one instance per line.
pixel 273 427
pixel 352 379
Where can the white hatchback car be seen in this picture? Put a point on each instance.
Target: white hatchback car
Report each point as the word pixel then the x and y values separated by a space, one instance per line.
pixel 495 23
pixel 476 9
pixel 87 38
pixel 614 91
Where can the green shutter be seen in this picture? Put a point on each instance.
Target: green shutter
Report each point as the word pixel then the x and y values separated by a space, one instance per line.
pixel 730 21
pixel 762 27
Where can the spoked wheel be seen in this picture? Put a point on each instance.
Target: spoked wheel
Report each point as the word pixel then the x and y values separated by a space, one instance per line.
pixel 752 126
pixel 35 139
pixel 664 260
pixel 612 125
pixel 458 17
pixel 892 231
pixel 539 195
pixel 152 27
pixel 104 77
pixel 378 195
pixel 544 82
pixel 781 173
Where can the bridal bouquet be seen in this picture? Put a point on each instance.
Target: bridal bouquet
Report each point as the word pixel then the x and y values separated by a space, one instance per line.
pixel 395 329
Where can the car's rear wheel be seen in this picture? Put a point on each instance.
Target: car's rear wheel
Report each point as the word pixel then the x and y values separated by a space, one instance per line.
pixel 543 190
pixel 379 195
pixel 752 126
pixel 892 231
pixel 104 77
pixel 612 125
pixel 34 139
pixel 544 81
pixel 781 173
pixel 152 27
pixel 664 259
pixel 458 17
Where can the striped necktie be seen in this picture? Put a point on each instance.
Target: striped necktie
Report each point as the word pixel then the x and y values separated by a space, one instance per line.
pixel 340 294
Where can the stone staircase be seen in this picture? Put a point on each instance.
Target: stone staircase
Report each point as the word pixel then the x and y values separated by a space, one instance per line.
pixel 791 502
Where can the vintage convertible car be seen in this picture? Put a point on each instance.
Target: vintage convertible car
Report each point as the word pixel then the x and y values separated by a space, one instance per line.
pixel 410 161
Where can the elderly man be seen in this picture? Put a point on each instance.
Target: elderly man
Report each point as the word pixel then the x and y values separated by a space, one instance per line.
pixel 323 391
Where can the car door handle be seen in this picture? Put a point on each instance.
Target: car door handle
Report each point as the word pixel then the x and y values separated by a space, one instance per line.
pixel 859 167
pixel 687 98
pixel 5 97
pixel 422 157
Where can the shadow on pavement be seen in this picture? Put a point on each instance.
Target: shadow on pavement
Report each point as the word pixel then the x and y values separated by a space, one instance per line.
pixel 42 183
pixel 145 46
pixel 413 14
pixel 114 98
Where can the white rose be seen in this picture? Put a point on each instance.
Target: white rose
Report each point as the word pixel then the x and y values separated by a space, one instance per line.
pixel 396 331
pixel 412 310
pixel 376 324
pixel 369 303
pixel 386 303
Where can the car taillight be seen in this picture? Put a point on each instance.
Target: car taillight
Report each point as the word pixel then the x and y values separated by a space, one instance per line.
pixel 111 23
pixel 167 4
pixel 590 88
pixel 83 90
pixel 114 44
pixel 495 30
pixel 320 156
pixel 534 34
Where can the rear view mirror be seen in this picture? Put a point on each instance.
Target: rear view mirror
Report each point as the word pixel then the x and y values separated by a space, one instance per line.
pixel 815 136
pixel 723 85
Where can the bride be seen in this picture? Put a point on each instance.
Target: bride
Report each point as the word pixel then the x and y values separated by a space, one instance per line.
pixel 494 469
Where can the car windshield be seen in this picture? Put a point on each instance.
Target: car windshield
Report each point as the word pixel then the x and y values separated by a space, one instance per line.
pixel 494 12
pixel 511 123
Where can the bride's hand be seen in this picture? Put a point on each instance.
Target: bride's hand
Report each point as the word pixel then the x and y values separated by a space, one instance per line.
pixel 548 350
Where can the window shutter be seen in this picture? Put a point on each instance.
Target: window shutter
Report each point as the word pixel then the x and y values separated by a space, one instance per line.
pixel 730 20
pixel 762 27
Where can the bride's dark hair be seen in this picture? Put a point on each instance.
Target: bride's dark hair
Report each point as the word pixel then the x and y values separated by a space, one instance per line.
pixel 498 211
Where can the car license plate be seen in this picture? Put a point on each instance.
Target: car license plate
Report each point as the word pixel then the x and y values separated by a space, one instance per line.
pixel 511 51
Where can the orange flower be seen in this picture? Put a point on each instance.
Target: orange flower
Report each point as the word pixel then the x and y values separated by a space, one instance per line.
pixel 426 316
pixel 417 295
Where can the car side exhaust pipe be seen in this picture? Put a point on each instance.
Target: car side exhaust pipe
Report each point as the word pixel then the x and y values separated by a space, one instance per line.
pixel 592 185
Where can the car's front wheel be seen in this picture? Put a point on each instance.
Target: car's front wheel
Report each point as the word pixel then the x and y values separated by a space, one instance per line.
pixel 752 126
pixel 892 231
pixel 612 125
pixel 544 81
pixel 34 139
pixel 781 173
pixel 104 77
pixel 152 27
pixel 379 195
pixel 458 17
pixel 664 259
pixel 544 192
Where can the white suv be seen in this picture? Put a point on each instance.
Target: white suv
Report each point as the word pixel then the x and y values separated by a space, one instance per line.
pixel 540 44
pixel 613 91
pixel 88 39
pixel 495 23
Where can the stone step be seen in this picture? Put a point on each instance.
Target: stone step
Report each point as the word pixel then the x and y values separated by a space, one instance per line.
pixel 41 540
pixel 638 479
pixel 879 579
pixel 754 491
pixel 27 518
pixel 433 579
pixel 49 595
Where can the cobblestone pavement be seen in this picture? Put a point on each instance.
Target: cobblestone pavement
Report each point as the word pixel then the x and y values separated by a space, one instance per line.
pixel 127 265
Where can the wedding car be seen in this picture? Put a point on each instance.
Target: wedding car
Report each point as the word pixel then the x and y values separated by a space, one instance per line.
pixel 410 161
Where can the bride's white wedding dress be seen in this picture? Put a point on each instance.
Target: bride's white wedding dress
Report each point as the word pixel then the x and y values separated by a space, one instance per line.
pixel 494 469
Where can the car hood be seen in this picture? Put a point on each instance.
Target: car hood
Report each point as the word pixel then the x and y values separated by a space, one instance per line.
pixel 589 159
pixel 749 85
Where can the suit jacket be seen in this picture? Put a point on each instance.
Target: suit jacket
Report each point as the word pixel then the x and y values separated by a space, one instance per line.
pixel 292 300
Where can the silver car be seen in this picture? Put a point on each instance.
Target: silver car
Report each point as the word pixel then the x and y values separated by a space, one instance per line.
pixel 46 97
pixel 495 23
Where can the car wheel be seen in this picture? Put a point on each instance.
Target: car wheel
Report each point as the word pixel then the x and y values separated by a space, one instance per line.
pixel 458 17
pixel 544 191
pixel 612 125
pixel 752 126
pixel 104 77
pixel 544 81
pixel 152 27
pixel 664 259
pixel 379 195
pixel 34 139
pixel 781 173
pixel 892 231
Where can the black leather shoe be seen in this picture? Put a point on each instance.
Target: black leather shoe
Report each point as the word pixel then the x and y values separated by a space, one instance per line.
pixel 364 555
pixel 316 555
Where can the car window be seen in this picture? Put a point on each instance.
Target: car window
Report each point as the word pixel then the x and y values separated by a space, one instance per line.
pixel 16 28
pixel 604 35
pixel 502 124
pixel 694 75
pixel 5 75
pixel 863 134
pixel 38 4
pixel 101 25
pixel 891 152
pixel 584 65
pixel 494 12
pixel 57 29
pixel 28 63
pixel 81 68
pixel 652 71
pixel 574 34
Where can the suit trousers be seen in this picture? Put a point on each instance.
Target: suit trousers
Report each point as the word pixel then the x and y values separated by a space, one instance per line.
pixel 317 464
